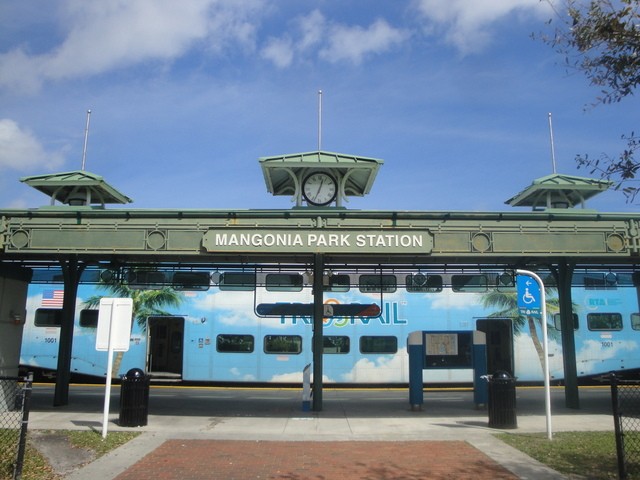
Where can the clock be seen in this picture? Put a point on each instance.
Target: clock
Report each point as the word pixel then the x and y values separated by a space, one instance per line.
pixel 319 188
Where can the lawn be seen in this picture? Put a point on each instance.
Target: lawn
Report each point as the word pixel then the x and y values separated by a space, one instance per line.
pixel 587 454
pixel 36 467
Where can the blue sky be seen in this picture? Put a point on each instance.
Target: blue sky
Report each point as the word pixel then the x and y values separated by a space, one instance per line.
pixel 186 96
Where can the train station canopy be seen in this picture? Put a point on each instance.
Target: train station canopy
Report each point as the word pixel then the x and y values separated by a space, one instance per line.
pixel 282 173
pixel 76 188
pixel 559 191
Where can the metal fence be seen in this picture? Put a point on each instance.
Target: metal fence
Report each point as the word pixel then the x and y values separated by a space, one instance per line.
pixel 625 399
pixel 15 393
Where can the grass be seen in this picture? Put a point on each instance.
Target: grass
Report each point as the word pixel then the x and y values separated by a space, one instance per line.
pixel 35 465
pixel 589 455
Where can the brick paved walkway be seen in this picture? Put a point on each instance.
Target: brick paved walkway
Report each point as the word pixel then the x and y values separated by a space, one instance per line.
pixel 276 460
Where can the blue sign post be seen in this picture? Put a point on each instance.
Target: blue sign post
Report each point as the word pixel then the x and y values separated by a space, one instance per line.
pixel 529 297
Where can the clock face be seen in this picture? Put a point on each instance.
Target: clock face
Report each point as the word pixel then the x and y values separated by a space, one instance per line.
pixel 319 188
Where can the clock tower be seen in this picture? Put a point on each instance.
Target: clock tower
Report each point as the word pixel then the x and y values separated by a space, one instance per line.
pixel 319 179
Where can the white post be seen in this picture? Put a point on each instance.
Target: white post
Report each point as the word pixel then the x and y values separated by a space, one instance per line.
pixel 113 335
pixel 107 388
pixel 319 120
pixel 547 388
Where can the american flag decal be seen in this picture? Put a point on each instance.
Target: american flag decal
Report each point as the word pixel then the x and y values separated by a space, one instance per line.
pixel 52 298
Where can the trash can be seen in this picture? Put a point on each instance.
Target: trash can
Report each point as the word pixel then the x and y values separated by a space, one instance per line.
pixel 502 400
pixel 134 398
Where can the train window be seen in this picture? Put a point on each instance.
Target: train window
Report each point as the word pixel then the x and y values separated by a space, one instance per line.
pixel 283 344
pixel 378 283
pixel 336 344
pixel 237 281
pixel 146 279
pixel 284 282
pixel 625 279
pixel 48 317
pixel 198 281
pixel 338 283
pixel 469 283
pixel 635 321
pixel 378 344
pixel 604 321
pixel 419 282
pixel 558 325
pixel 89 318
pixel 235 343
pixel 596 280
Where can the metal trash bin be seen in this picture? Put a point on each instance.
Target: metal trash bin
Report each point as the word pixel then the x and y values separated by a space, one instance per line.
pixel 134 399
pixel 502 400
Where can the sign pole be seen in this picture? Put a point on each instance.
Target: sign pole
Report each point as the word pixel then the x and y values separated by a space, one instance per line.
pixel 113 335
pixel 522 303
pixel 107 388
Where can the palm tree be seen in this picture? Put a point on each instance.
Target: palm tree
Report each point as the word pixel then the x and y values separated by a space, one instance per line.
pixel 146 303
pixel 507 303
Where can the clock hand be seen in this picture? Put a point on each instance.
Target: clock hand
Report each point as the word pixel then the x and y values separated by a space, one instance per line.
pixel 319 187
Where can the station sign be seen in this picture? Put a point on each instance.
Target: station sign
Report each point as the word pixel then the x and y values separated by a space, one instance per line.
pixel 242 240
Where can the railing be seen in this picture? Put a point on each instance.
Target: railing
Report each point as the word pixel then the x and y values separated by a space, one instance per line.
pixel 625 400
pixel 15 394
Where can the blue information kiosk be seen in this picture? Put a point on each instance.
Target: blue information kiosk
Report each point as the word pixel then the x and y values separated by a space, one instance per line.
pixel 447 350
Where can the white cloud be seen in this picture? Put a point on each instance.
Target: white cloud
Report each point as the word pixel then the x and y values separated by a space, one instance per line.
pixel 21 150
pixel 280 51
pixel 353 44
pixel 447 300
pixel 334 42
pixel 237 308
pixel 466 23
pixel 311 30
pixel 103 36
pixel 379 369
pixel 295 377
pixel 237 373
pixel 231 308
pixel 591 355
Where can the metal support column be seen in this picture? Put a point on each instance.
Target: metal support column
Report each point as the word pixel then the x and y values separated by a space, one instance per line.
pixel 318 324
pixel 571 395
pixel 71 271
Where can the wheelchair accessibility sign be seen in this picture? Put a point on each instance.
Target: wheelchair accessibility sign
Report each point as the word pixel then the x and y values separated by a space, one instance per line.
pixel 528 296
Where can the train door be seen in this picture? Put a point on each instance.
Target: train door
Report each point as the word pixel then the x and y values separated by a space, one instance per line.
pixel 165 343
pixel 499 334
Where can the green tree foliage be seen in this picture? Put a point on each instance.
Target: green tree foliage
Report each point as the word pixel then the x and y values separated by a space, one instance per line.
pixel 146 303
pixel 601 39
pixel 506 304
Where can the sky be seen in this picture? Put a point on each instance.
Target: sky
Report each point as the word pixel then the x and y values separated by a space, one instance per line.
pixel 185 97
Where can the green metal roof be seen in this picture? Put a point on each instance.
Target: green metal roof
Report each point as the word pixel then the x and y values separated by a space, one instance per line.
pixel 76 188
pixel 281 172
pixel 559 191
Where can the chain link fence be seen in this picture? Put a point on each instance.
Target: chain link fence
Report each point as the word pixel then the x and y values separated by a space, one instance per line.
pixel 625 399
pixel 15 393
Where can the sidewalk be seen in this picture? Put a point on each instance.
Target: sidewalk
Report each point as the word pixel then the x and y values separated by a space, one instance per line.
pixel 373 434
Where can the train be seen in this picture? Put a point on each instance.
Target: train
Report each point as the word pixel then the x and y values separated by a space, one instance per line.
pixel 254 326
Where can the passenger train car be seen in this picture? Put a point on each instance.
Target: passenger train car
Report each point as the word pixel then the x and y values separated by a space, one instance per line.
pixel 254 325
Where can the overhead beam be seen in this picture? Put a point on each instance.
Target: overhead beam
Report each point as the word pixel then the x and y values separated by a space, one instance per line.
pixel 405 236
